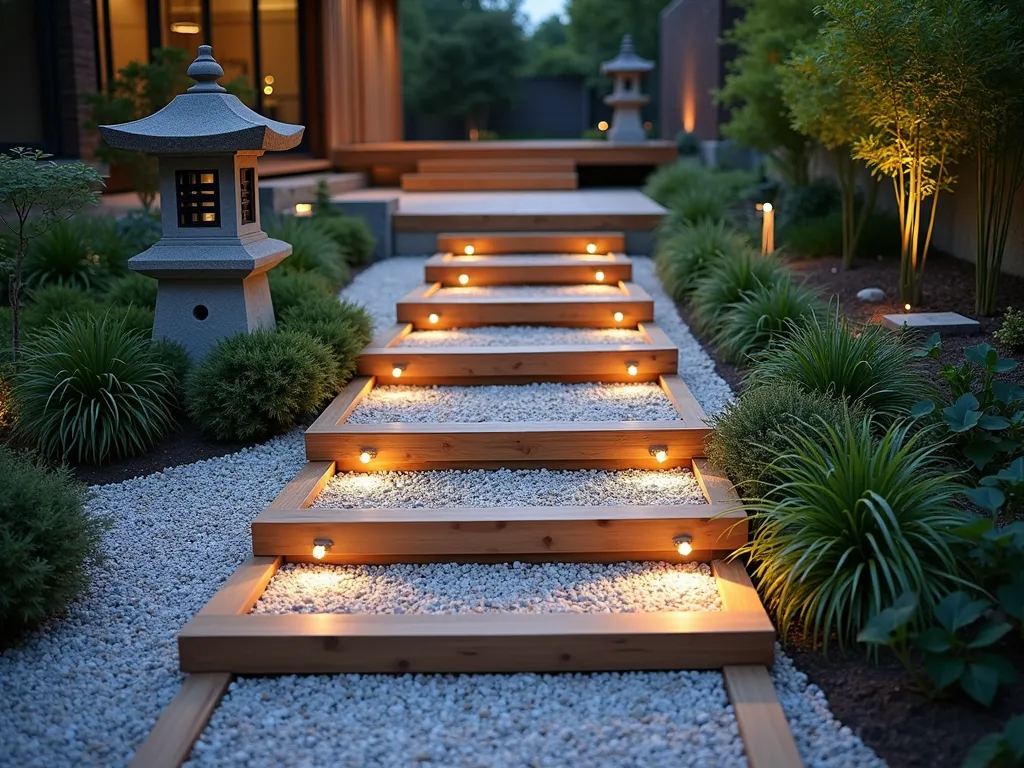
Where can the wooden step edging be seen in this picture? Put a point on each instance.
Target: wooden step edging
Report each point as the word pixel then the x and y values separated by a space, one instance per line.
pixel 472 165
pixel 497 243
pixel 575 269
pixel 488 181
pixel 631 306
pixel 492 445
pixel 459 365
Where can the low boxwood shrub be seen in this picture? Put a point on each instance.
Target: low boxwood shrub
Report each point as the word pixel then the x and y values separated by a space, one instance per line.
pixel 726 281
pixel 688 144
pixel 765 314
pixel 313 249
pixel 47 543
pixel 860 519
pixel 54 303
pixel 1011 330
pixel 751 433
pixel 253 385
pixel 91 389
pixel 133 289
pixel 290 288
pixel 869 365
pixel 684 253
pixel 345 327
pixel 352 236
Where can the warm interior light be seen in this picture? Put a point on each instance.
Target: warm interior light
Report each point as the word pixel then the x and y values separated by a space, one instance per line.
pixel 766 207
pixel 268 89
pixel 463 279
pixel 906 307
pixel 303 209
pixel 398 370
pixel 433 317
pixel 591 248
pixel 659 452
pixel 619 317
pixel 184 27
pixel 683 544
pixel 599 276
pixel 269 79
pixel 603 125
pixel 632 369
pixel 469 250
pixel 321 547
pixel 367 454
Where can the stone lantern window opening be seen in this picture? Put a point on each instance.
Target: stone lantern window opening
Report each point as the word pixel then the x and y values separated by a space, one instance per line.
pixel 198 196
pixel 247 195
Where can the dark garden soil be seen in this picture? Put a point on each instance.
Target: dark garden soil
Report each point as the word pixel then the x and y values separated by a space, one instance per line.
pixel 902 725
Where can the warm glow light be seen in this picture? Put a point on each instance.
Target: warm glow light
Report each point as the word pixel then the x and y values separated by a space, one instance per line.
pixel 766 207
pixel 185 27
pixel 366 455
pixel 619 317
pixel 303 209
pixel 648 125
pixel 599 276
pixel 321 547
pixel 906 307
pixel 463 279
pixel 659 452
pixel 469 250
pixel 632 369
pixel 433 317
pixel 268 89
pixel 591 248
pixel 397 371
pixel 684 545
pixel 603 125
pixel 269 79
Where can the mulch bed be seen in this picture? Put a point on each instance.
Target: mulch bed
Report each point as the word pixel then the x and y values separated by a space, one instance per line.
pixel 876 700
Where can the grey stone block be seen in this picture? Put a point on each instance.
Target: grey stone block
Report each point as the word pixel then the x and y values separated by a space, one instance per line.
pixel 377 214
pixel 946 323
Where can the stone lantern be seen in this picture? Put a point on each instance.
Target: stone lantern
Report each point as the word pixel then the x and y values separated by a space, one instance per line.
pixel 213 257
pixel 626 99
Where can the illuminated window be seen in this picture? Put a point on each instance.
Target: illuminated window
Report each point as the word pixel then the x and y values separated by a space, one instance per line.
pixel 198 199
pixel 247 194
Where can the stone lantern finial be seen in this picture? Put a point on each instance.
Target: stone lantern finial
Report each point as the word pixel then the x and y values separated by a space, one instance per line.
pixel 213 258
pixel 626 69
pixel 205 70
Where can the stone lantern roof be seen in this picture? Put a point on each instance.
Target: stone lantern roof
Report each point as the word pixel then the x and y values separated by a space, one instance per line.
pixel 627 61
pixel 204 120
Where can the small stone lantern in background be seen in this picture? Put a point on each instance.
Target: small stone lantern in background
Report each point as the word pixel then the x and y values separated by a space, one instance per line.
pixel 626 99
pixel 213 258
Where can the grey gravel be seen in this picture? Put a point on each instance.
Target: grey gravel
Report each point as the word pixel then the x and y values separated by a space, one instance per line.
pixel 440 488
pixel 501 588
pixel 517 402
pixel 522 336
pixel 526 291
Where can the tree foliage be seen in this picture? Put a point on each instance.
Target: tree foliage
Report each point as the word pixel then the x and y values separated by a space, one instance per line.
pixel 596 28
pixel 765 37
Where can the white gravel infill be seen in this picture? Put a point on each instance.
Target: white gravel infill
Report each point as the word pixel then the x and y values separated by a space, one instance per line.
pixel 502 588
pixel 522 336
pixel 526 291
pixel 441 488
pixel 87 690
pixel 515 402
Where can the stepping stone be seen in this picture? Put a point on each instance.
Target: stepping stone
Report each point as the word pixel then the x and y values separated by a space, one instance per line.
pixel 945 323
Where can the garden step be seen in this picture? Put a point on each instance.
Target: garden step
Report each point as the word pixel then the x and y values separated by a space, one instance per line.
pixel 490 243
pixel 528 269
pixel 469 182
pixel 471 165
pixel 282 194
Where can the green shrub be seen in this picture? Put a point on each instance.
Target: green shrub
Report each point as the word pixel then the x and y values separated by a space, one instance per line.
pixel 136 319
pixel 253 385
pixel 752 432
pixel 288 289
pixel 352 236
pixel 139 230
pixel 344 327
pixel 175 359
pixel 54 303
pixel 1011 330
pixel 725 283
pixel 313 250
pixel 47 543
pixel 765 314
pixel 869 365
pixel 7 409
pixel 818 237
pixel 91 390
pixel 811 201
pixel 859 520
pixel 133 289
pixel 670 181
pixel 84 252
pixel 687 144
pixel 695 206
pixel 685 252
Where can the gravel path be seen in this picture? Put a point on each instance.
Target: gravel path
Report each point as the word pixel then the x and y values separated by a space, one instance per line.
pixel 502 588
pixel 522 336
pixel 524 291
pixel 516 402
pixel 87 690
pixel 440 488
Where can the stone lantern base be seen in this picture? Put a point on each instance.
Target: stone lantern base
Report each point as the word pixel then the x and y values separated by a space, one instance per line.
pixel 626 124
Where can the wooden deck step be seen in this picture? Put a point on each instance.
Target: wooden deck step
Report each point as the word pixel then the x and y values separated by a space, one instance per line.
pixel 487 182
pixel 425 366
pixel 429 307
pixel 529 269
pixel 491 243
pixel 507 165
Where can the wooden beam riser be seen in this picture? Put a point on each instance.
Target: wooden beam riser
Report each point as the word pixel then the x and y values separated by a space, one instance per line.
pixel 563 313
pixel 554 165
pixel 487 182
pixel 565 274
pixel 531 242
